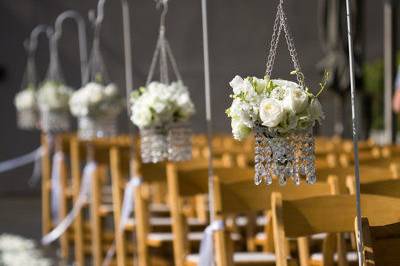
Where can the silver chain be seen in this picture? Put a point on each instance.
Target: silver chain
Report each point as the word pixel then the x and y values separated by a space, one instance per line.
pixel 281 19
pixel 163 52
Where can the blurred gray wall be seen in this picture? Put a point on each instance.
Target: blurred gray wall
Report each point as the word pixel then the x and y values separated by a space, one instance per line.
pixel 239 31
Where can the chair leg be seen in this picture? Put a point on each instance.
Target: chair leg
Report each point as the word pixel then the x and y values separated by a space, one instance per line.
pixel 95 220
pixel 78 224
pixel 116 177
pixel 64 243
pixel 46 172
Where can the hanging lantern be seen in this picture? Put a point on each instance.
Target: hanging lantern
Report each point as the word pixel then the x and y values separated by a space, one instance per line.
pixel 53 96
pixel 162 109
pixel 98 103
pixel 281 114
pixel 25 100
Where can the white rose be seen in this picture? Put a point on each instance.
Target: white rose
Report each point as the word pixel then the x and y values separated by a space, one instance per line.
pixel 240 85
pixel 271 112
pixel 111 90
pixel 94 91
pixel 141 116
pixel 239 130
pixel 315 110
pixel 25 100
pixel 296 100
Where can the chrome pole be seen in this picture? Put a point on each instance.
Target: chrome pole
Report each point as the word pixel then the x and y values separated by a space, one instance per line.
pixel 355 134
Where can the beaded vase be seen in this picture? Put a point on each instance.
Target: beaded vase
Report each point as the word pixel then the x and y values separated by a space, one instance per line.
pixel 96 127
pixel 27 119
pixel 285 156
pixel 54 121
pixel 154 144
pixel 179 142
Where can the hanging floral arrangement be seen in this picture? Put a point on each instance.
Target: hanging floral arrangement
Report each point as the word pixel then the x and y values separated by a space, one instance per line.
pixel 53 96
pixel 98 103
pixel 162 109
pixel 25 99
pixel 281 114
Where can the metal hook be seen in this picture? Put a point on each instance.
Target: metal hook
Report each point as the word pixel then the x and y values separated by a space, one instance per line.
pixel 164 5
pixel 96 20
pixel 81 37
pixel 31 43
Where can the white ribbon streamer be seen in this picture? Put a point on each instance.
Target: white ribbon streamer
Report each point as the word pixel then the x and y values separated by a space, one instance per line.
pixel 55 185
pixel 126 210
pixel 83 197
pixel 37 168
pixel 21 160
pixel 206 254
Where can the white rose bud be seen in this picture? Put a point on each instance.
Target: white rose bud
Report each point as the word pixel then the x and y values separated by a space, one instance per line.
pixel 141 116
pixel 315 110
pixel 271 112
pixel 25 100
pixel 296 100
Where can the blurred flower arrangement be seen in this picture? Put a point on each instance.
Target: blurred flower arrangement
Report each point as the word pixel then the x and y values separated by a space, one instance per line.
pixel 25 99
pixel 53 96
pixel 159 105
pixel 52 99
pixel 161 111
pixel 95 99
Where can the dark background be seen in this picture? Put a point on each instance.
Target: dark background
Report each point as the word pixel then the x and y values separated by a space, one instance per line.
pixel 239 31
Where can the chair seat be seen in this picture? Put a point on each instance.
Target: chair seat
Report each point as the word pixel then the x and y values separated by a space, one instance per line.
pixel 157 222
pixel 261 237
pixel 242 258
pixel 158 239
pixel 242 221
pixel 351 256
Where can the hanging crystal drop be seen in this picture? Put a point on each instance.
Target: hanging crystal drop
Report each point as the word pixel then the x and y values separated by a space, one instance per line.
pixel 295 140
pixel 258 157
pixel 309 157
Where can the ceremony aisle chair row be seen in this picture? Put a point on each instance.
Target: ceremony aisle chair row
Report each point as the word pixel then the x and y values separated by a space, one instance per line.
pixel 237 195
pixel 325 214
pixel 151 232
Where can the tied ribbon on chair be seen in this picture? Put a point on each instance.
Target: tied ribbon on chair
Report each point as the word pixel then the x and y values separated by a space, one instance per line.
pixel 58 157
pixel 83 197
pixel 126 210
pixel 206 254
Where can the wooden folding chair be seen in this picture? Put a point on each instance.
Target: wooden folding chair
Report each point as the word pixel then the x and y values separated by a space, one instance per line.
pixel 90 238
pixel 60 143
pixel 235 194
pixel 381 244
pixel 325 214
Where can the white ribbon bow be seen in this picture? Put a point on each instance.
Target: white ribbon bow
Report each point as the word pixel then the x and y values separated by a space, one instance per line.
pixel 126 210
pixel 83 197
pixel 206 254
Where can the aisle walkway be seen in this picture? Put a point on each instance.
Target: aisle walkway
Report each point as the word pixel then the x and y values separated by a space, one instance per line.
pixel 20 216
